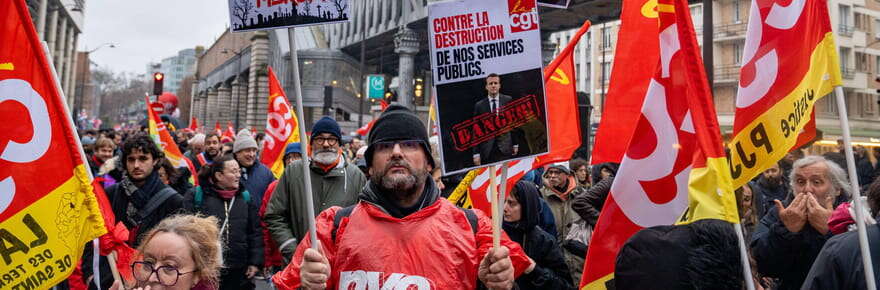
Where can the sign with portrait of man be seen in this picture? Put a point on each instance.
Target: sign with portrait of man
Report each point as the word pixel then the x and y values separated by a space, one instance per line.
pixel 486 65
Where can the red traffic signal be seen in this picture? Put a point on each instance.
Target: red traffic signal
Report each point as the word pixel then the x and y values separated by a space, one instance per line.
pixel 158 79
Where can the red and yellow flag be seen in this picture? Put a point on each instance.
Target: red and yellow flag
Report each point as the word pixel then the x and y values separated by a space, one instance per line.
pixel 635 58
pixel 562 121
pixel 48 210
pixel 163 139
pixel 282 127
pixel 677 136
pixel 789 62
pixel 194 124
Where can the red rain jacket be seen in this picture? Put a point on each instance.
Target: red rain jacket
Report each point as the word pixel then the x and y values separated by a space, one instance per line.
pixel 432 247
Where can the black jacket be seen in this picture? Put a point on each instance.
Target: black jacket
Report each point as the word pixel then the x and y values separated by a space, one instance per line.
pixel 590 204
pixel 243 237
pixel 551 271
pixel 839 265
pixel 256 179
pixel 785 255
pixel 120 203
pixel 764 193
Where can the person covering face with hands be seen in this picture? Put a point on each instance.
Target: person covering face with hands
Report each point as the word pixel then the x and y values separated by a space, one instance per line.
pixel 390 237
pixel 791 234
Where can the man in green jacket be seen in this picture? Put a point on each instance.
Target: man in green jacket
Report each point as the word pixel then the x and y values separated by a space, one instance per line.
pixel 335 182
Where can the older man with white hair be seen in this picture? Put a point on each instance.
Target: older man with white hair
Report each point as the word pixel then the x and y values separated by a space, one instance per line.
pixel 792 233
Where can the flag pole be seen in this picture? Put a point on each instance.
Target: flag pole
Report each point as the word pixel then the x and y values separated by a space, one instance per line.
pixel 857 195
pixel 744 256
pixel 502 195
pixel 496 215
pixel 307 181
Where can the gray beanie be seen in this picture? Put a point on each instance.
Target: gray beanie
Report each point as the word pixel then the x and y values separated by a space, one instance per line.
pixel 244 141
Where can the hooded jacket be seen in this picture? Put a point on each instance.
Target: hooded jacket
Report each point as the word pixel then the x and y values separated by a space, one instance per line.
pixel 550 271
pixel 242 238
pixel 560 204
pixel 699 255
pixel 433 247
pixel 286 215
pixel 256 179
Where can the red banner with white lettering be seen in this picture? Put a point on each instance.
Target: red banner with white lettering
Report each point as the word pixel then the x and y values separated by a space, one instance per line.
pixel 281 127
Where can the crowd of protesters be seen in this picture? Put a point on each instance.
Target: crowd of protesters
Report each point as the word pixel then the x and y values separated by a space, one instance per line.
pixel 380 207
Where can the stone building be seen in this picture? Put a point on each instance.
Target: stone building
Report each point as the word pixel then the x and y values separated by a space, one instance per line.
pixel 59 23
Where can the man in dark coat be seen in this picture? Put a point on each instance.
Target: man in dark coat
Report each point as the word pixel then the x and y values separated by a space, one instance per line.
pixel 255 176
pixel 500 147
pixel 521 214
pixel 140 200
pixel 588 205
pixel 770 186
pixel 788 238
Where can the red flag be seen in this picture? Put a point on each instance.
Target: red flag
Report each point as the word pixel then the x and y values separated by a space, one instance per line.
pixel 48 210
pixel 230 132
pixel 365 129
pixel 562 121
pixel 194 124
pixel 635 58
pixel 789 62
pixel 163 139
pixel 675 147
pixel 217 128
pixel 282 127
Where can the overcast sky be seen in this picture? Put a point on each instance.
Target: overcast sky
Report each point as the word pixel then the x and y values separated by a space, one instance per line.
pixel 146 31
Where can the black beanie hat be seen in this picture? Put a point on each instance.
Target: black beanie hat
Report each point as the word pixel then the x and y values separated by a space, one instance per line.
pixel 327 125
pixel 397 123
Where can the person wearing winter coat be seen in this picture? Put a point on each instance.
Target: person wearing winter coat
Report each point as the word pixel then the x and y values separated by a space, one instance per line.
pixel 560 190
pixel 589 205
pixel 335 182
pixel 402 235
pixel 220 194
pixel 700 255
pixel 255 176
pixel 789 237
pixel 139 200
pixel 839 264
pixel 771 185
pixel 548 269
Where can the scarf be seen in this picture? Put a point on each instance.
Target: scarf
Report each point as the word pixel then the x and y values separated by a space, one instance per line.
pixel 225 194
pixel 384 199
pixel 138 197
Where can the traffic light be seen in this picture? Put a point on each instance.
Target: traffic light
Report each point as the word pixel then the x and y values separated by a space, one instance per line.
pixel 158 79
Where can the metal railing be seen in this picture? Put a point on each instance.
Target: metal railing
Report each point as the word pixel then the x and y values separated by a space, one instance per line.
pixel 845 30
pixel 848 72
pixel 730 30
pixel 728 72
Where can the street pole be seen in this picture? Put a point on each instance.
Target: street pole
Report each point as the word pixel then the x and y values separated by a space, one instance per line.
pixel 363 67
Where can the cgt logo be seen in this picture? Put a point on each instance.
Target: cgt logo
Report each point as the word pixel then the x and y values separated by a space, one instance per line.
pixel 362 280
pixel 523 15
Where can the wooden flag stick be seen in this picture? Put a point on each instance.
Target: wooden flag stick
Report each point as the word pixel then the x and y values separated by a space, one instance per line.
pixel 496 214
pixel 502 196
pixel 111 259
pixel 307 181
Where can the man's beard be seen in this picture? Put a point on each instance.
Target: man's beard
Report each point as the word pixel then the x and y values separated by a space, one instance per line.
pixel 400 186
pixel 770 183
pixel 326 156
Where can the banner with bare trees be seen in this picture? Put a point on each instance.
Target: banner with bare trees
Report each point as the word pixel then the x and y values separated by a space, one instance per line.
pixel 248 15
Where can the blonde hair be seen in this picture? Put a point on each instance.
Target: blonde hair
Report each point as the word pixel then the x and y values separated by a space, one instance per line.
pixel 104 142
pixel 203 237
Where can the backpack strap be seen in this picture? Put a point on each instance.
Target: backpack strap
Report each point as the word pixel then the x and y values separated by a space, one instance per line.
pixel 342 213
pixel 472 218
pixel 157 200
pixel 198 197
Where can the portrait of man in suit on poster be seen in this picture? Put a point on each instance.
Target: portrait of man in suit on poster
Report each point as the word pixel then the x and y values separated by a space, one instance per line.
pixel 503 146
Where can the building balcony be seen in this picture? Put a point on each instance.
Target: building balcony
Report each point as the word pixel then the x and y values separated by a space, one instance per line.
pixel 845 30
pixel 726 74
pixel 848 73
pixel 730 31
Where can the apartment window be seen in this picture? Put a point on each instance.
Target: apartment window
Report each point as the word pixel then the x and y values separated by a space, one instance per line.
pixel 736 12
pixel 697 16
pixel 606 37
pixel 877 65
pixel 606 72
pixel 863 22
pixel 877 28
pixel 862 62
pixel 737 52
pixel 845 19
pixel 845 66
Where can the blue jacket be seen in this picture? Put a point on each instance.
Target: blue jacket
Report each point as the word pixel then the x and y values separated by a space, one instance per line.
pixel 256 179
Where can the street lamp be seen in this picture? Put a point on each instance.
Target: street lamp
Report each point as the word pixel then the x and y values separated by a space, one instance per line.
pixel 237 72
pixel 77 103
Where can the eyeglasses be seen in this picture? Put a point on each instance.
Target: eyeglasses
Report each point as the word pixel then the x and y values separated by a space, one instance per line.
pixel 406 146
pixel 330 141
pixel 167 275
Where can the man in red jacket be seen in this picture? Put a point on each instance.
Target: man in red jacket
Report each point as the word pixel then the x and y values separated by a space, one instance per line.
pixel 402 233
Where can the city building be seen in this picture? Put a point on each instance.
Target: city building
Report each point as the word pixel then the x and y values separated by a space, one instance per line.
pixel 856 24
pixel 233 73
pixel 59 23
pixel 175 68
